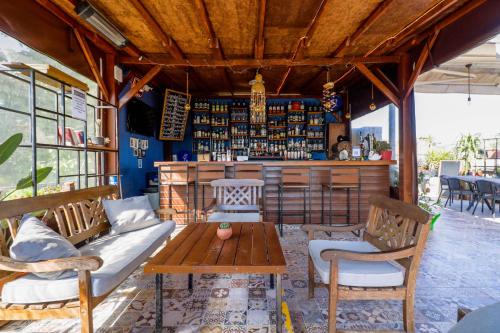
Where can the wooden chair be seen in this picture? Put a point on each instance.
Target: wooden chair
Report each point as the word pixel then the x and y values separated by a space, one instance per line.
pixel 78 216
pixel 235 200
pixel 382 266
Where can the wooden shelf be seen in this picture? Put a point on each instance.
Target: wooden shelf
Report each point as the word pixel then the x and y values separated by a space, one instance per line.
pixel 239 121
pixel 101 148
pixel 315 112
pixel 258 137
pixel 282 139
pixel 206 124
pixel 276 114
pixel 296 136
pixel 296 123
pixel 276 127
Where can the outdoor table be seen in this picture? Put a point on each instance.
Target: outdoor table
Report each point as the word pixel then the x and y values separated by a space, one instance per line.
pixel 473 179
pixel 254 248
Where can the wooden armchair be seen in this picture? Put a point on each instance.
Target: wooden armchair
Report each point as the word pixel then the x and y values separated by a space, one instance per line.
pixel 382 266
pixel 235 200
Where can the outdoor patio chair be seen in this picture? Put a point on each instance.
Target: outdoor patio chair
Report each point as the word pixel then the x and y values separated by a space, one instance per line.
pixel 235 200
pixel 486 190
pixel 443 186
pixel 382 266
pixel 460 188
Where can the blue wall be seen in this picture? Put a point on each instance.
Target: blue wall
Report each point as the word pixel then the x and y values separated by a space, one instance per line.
pixel 134 179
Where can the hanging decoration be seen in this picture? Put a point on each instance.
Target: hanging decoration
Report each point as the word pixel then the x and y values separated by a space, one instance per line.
pixel 257 99
pixel 331 102
pixel 373 106
pixel 468 82
pixel 187 107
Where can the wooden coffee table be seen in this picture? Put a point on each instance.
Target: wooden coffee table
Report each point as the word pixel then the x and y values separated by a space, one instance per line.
pixel 254 248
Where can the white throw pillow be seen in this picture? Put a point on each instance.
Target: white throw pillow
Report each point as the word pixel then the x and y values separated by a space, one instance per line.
pixel 129 214
pixel 35 241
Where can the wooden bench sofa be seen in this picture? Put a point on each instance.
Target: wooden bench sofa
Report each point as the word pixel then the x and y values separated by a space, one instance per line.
pixel 107 260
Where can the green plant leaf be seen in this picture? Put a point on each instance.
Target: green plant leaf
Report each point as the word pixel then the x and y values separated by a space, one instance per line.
pixel 9 147
pixel 41 174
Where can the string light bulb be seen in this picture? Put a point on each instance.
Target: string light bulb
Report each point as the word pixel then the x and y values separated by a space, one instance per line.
pixel 373 106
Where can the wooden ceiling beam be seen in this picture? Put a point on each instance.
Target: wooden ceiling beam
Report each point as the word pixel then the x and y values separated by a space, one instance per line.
pixel 213 41
pixel 450 19
pixel 257 63
pixel 424 55
pixel 87 53
pixel 391 85
pixel 303 41
pixel 140 84
pixel 378 83
pixel 92 36
pixel 364 26
pixel 166 41
pixel 259 41
pixel 410 29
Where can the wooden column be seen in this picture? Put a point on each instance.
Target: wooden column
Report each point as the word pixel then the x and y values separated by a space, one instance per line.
pixel 407 136
pixel 110 116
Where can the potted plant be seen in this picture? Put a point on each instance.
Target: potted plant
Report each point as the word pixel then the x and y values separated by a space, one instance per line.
pixel 432 208
pixel 224 231
pixel 384 149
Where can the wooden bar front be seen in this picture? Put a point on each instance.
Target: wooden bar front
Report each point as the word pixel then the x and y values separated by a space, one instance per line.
pixel 374 180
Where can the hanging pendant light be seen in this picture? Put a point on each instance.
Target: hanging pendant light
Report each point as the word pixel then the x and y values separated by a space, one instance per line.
pixel 468 83
pixel 373 106
pixel 187 107
pixel 257 99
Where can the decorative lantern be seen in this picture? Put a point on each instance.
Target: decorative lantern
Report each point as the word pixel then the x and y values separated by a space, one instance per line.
pixel 257 100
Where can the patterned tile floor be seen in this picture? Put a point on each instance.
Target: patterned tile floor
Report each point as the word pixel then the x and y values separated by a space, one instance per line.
pixel 459 268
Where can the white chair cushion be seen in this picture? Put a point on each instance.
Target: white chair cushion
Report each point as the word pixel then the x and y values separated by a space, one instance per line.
pixel 129 214
pixel 233 217
pixel 356 273
pixel 121 255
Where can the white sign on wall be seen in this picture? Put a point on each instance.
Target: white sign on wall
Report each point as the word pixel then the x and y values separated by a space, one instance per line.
pixel 78 104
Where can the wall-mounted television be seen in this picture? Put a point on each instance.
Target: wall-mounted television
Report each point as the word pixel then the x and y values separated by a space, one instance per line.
pixel 141 118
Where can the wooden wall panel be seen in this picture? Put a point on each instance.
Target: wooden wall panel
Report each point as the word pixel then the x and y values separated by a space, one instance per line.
pixel 374 180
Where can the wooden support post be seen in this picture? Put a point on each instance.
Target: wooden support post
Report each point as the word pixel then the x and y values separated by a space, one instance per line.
pixel 91 62
pixel 407 137
pixel 111 165
pixel 135 89
pixel 378 83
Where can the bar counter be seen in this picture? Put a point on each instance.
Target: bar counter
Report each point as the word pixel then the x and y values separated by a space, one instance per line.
pixel 374 180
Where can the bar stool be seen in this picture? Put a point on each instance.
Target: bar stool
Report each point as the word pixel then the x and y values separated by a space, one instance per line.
pixel 176 175
pixel 346 179
pixel 294 179
pixel 247 170
pixel 205 173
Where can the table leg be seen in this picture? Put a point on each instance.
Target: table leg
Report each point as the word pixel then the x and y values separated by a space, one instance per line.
pixel 278 304
pixel 159 302
pixel 190 281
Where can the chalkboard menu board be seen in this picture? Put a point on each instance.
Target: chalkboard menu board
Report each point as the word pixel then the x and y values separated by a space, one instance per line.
pixel 174 116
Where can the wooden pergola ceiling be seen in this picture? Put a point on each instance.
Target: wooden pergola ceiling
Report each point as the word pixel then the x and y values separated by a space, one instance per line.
pixel 291 41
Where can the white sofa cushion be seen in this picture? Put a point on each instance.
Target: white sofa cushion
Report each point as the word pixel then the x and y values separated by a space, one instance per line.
pixel 129 214
pixel 233 217
pixel 35 241
pixel 356 273
pixel 121 255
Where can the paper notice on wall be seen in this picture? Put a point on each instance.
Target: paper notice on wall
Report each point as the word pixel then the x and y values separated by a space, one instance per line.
pixel 78 104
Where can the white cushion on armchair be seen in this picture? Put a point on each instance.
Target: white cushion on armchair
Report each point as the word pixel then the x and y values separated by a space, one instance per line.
pixel 356 273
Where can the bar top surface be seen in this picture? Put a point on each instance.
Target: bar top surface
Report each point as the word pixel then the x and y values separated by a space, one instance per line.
pixel 290 163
